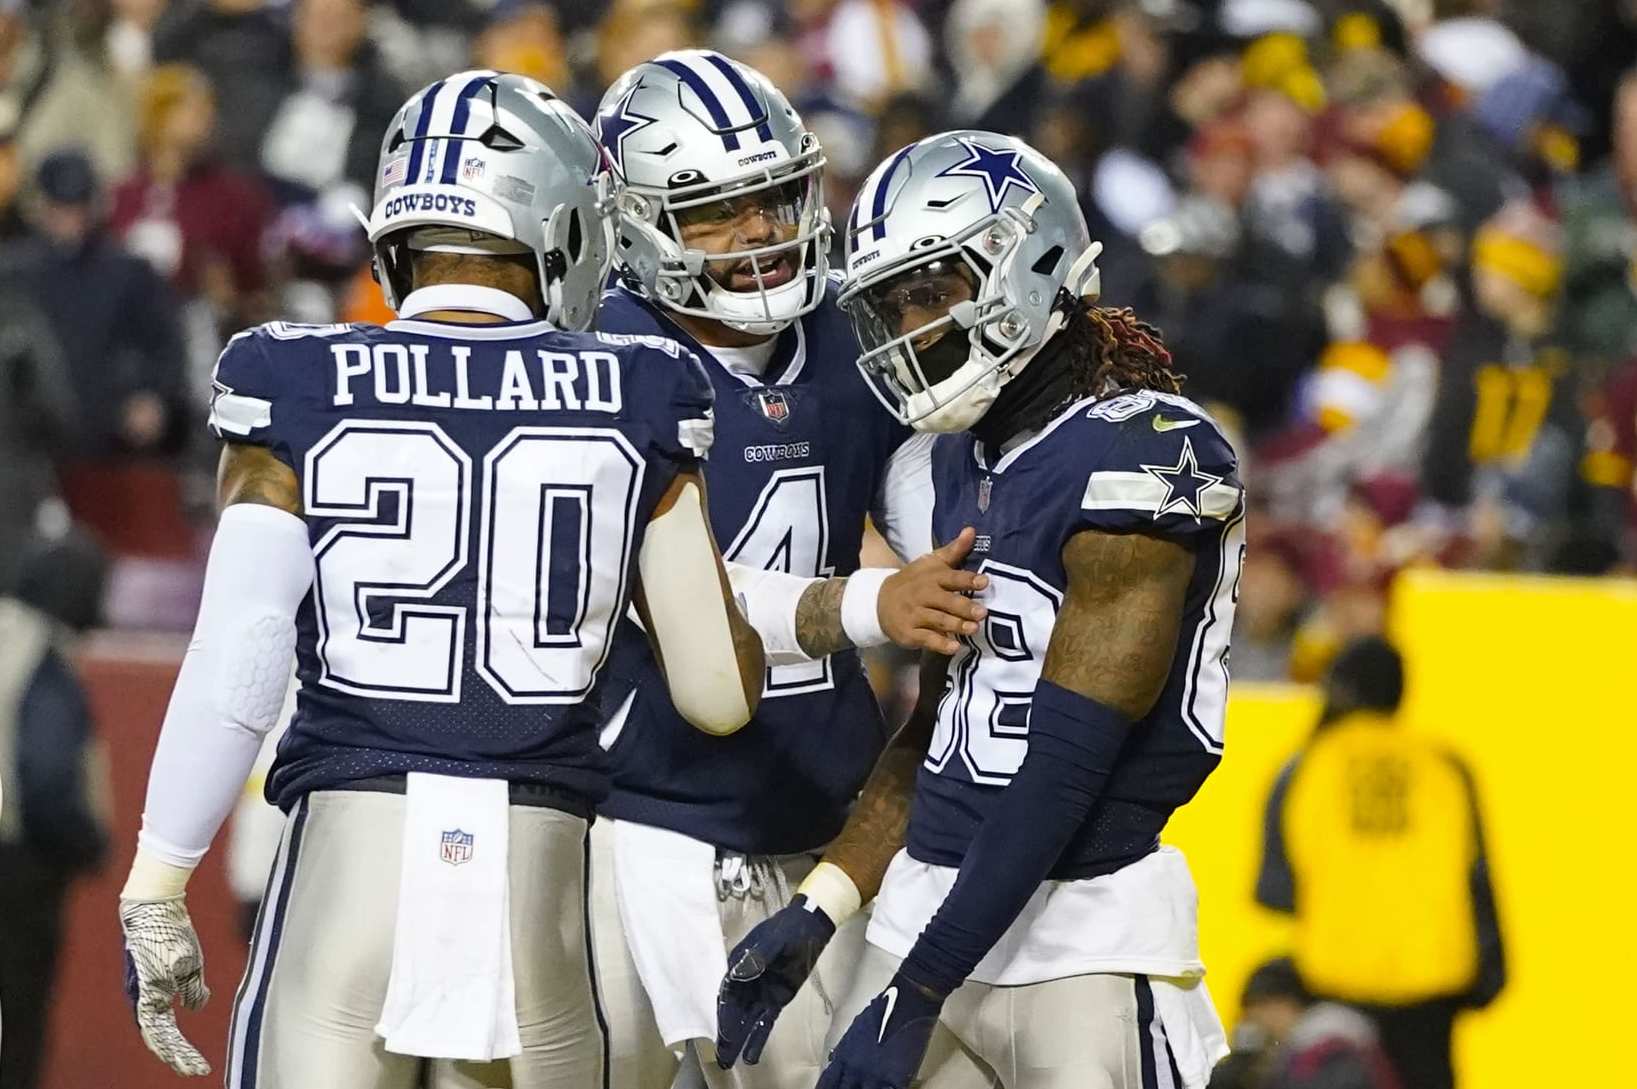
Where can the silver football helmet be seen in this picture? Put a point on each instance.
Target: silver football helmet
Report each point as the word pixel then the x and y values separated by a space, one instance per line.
pixel 699 138
pixel 964 252
pixel 491 163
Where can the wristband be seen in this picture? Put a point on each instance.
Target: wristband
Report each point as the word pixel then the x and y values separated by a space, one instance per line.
pixel 829 889
pixel 152 878
pixel 861 606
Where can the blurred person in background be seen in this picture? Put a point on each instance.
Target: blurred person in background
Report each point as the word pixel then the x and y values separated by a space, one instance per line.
pixel 632 31
pixel 873 49
pixel 115 319
pixel 37 410
pixel 12 174
pixel 1373 841
pixel 322 132
pixel 53 827
pixel 1504 438
pixel 197 221
pixel 1608 465
pixel 1236 338
pixel 243 48
pixel 1286 1039
pixel 994 52
pixel 56 82
pixel 523 36
pixel 1599 212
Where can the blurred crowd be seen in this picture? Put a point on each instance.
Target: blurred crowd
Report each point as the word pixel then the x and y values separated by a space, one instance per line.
pixel 1392 243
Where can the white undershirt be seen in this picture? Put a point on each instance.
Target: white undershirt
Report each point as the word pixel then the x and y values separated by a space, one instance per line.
pixel 750 361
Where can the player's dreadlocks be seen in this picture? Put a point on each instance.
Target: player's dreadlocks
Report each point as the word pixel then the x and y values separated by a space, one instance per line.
pixel 1113 349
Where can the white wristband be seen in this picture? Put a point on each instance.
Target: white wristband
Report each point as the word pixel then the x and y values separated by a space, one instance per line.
pixel 860 606
pixel 829 889
pixel 152 878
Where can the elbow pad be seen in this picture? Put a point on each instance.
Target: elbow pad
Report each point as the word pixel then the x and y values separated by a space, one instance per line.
pixel 690 619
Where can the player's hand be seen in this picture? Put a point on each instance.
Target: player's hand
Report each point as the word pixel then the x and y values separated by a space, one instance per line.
pixel 925 605
pixel 163 963
pixel 884 1046
pixel 764 973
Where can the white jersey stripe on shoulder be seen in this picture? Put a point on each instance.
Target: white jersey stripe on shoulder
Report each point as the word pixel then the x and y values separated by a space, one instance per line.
pixel 1110 489
pixel 238 413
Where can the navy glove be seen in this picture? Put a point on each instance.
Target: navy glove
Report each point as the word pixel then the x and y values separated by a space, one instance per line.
pixel 764 973
pixel 884 1046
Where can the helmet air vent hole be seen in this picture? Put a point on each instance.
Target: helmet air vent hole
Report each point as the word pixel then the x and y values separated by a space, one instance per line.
pixel 1047 263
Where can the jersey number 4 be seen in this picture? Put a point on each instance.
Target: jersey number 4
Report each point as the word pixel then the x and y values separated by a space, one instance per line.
pixel 788 530
pixel 558 507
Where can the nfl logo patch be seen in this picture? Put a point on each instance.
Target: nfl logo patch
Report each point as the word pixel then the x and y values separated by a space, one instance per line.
pixel 984 486
pixel 472 169
pixel 456 847
pixel 774 405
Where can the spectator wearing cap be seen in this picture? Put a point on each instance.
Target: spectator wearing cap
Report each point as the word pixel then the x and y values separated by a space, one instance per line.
pixel 994 52
pixel 243 48
pixel 197 221
pixel 1535 123
pixel 1286 1039
pixel 52 828
pixel 326 128
pixel 1506 430
pixel 1373 841
pixel 114 317
pixel 57 88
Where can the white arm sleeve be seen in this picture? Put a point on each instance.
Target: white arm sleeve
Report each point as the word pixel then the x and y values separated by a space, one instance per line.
pixel 903 506
pixel 232 682
pixel 770 599
pixel 689 616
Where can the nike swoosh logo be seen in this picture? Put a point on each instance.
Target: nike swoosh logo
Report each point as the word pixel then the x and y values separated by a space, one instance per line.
pixel 1161 424
pixel 891 995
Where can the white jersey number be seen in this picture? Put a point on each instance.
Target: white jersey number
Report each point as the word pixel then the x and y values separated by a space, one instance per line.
pixel 558 510
pixel 983 717
pixel 788 530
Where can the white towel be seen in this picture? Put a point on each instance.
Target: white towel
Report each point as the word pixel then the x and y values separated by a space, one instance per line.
pixel 665 885
pixel 1191 1024
pixel 451 994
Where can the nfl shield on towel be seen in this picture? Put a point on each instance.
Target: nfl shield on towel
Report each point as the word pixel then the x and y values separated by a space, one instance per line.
pixel 456 847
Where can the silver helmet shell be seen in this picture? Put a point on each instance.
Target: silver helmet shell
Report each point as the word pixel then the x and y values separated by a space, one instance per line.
pixel 691 128
pixel 1004 215
pixel 496 163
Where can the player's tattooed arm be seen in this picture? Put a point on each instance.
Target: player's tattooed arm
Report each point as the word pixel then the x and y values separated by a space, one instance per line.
pixel 1117 631
pixel 877 825
pixel 251 474
pixel 922 606
pixel 818 618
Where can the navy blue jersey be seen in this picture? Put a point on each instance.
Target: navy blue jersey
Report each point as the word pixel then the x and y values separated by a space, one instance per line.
pixel 1134 463
pixel 476 497
pixel 797 464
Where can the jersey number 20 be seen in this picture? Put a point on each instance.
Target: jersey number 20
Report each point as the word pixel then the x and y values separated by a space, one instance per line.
pixel 557 509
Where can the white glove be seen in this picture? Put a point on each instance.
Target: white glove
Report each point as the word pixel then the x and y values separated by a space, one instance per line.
pixel 163 962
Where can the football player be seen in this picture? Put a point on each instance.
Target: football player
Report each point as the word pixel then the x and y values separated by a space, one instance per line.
pixel 722 245
pixel 442 519
pixel 1031 911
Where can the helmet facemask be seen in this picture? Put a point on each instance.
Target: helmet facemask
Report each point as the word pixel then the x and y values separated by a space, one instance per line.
pixel 754 285
pixel 943 374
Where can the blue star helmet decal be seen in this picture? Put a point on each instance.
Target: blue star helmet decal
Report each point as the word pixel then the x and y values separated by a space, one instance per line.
pixel 997 169
pixel 615 125
pixel 1185 484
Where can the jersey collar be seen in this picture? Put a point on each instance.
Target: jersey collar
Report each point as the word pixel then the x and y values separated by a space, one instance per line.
pixel 472 297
